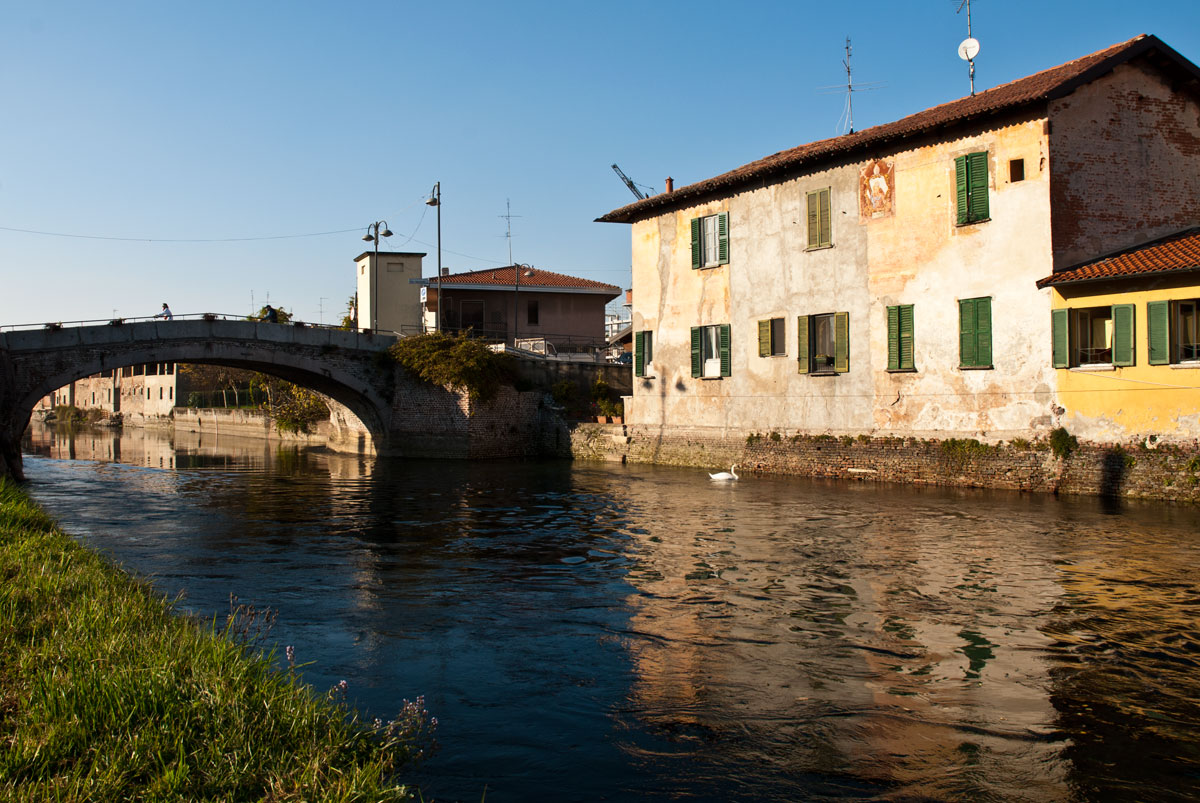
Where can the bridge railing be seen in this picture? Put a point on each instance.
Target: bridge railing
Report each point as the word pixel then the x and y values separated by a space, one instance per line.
pixel 191 316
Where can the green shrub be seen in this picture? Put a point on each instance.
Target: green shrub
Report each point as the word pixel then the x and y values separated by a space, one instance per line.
pixel 775 437
pixel 457 362
pixel 753 438
pixel 1062 443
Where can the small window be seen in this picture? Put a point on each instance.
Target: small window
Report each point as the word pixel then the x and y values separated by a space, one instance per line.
pixel 710 241
pixel 710 351
pixel 823 343
pixel 975 333
pixel 771 341
pixel 531 308
pixel 820 224
pixel 971 186
pixel 900 338
pixel 1188 327
pixel 1016 170
pixel 643 353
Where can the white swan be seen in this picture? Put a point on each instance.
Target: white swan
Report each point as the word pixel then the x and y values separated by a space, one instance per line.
pixel 731 474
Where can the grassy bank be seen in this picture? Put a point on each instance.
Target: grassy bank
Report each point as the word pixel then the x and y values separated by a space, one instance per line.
pixel 106 694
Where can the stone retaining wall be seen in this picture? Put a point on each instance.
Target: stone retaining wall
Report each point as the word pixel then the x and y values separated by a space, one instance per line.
pixel 1166 472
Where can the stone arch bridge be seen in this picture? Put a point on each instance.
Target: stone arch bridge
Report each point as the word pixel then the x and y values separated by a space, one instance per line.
pixel 401 415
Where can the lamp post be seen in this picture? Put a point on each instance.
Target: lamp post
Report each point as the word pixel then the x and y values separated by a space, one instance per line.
pixel 372 236
pixel 435 199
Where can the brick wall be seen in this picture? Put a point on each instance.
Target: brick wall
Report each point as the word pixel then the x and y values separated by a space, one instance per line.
pixel 1093 469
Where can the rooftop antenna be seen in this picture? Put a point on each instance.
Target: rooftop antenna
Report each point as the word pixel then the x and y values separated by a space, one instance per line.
pixel 508 216
pixel 969 48
pixel 850 89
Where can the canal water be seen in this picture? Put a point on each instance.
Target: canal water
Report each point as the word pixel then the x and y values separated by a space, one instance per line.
pixel 589 632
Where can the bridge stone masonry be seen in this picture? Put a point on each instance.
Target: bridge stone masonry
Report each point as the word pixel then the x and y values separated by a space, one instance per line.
pixel 401 415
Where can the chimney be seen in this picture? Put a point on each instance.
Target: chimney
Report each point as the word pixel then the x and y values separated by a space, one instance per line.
pixel 670 184
pixel 445 271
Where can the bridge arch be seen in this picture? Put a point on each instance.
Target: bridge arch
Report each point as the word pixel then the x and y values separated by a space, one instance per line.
pixel 344 366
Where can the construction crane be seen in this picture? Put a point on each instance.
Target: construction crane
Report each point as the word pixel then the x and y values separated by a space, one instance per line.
pixel 641 196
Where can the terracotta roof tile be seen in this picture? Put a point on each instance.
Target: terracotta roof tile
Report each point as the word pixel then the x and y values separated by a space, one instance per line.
pixel 530 277
pixel 1178 252
pixel 1037 88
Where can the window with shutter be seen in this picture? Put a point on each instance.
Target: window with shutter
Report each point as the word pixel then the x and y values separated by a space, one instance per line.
pixel 770 338
pixel 1122 337
pixel 823 343
pixel 820 224
pixel 975 332
pixel 1187 331
pixel 900 337
pixel 1158 332
pixel 711 356
pixel 971 187
pixel 639 354
pixel 1060 338
pixel 710 240
pixel 697 366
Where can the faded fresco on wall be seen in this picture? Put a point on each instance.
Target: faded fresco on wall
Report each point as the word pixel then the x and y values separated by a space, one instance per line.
pixel 876 190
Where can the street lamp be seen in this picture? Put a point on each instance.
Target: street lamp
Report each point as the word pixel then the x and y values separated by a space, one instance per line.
pixel 435 199
pixel 374 238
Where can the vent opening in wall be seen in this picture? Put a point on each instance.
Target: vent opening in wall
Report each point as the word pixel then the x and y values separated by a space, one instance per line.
pixel 1016 170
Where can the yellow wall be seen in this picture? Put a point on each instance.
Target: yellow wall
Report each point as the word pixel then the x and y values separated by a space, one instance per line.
pixel 1136 401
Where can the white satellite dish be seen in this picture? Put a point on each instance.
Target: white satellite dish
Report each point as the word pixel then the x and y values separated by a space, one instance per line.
pixel 969 48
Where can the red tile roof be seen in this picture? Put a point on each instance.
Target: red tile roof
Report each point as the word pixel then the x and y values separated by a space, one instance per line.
pixel 530 277
pixel 1034 89
pixel 1176 253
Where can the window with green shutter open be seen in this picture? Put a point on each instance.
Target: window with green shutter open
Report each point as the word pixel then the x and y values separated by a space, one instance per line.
pixel 1173 331
pixel 710 240
pixel 643 353
pixel 711 355
pixel 971 187
pixel 975 333
pixel 820 220
pixel 1093 336
pixel 900 338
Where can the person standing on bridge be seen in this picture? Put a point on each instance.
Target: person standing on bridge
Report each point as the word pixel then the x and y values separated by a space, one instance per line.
pixel 270 314
pixel 166 312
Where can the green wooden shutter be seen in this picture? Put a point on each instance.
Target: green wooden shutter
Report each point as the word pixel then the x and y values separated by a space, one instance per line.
pixel 1060 338
pixel 977 185
pixel 906 336
pixel 726 362
pixel 814 219
pixel 696 351
pixel 723 238
pixel 639 353
pixel 802 344
pixel 697 246
pixel 893 338
pixel 967 355
pixel 1158 331
pixel 960 185
pixel 1122 346
pixel 983 331
pixel 826 226
pixel 841 342
pixel 764 338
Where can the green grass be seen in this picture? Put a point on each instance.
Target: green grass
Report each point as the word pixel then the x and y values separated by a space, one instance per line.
pixel 106 693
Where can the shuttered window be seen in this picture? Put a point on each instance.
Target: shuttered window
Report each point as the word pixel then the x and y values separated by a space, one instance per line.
pixel 770 338
pixel 820 224
pixel 971 186
pixel 710 241
pixel 711 352
pixel 643 352
pixel 823 343
pixel 900 337
pixel 1122 327
pixel 975 333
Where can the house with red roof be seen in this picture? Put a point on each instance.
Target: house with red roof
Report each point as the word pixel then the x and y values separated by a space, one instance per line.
pixel 938 276
pixel 521 303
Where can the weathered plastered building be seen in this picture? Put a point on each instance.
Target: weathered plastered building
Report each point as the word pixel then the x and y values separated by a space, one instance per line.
pixel 887 281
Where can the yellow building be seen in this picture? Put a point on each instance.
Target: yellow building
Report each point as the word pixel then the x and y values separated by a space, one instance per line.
pixel 1126 342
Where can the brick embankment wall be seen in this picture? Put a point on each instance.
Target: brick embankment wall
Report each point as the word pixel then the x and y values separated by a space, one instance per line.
pixel 1168 472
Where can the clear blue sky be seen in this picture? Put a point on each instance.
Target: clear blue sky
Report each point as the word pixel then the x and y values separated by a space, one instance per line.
pixel 160 121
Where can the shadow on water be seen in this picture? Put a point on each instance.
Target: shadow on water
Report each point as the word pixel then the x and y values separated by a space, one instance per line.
pixel 589 632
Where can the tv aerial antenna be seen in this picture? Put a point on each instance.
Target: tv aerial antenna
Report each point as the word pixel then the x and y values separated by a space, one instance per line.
pixel 850 89
pixel 968 49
